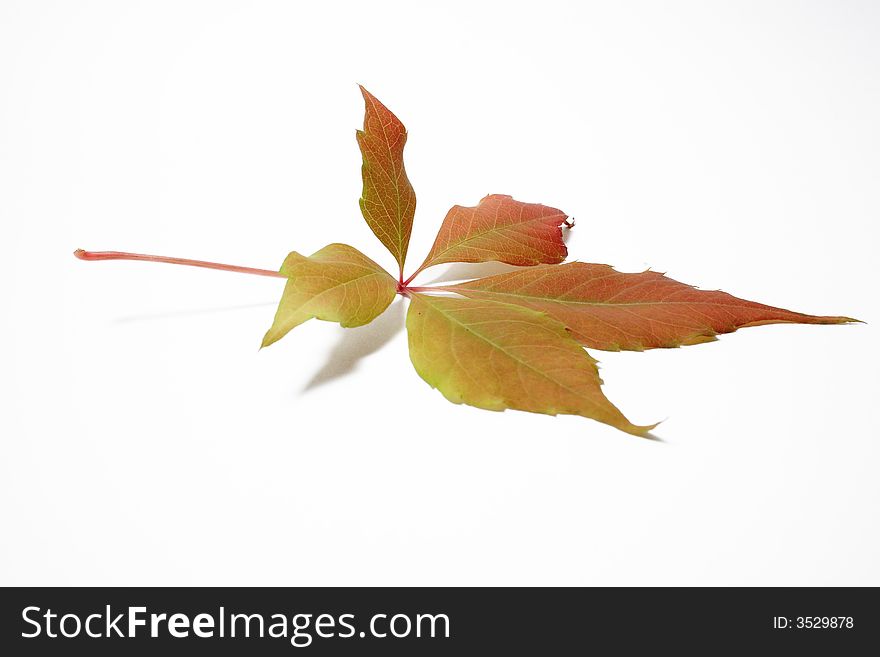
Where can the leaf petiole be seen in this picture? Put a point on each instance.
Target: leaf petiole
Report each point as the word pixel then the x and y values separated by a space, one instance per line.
pixel 121 255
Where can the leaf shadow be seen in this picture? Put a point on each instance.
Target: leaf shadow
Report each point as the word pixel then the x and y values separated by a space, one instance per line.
pixel 357 343
pixel 466 270
pixel 174 314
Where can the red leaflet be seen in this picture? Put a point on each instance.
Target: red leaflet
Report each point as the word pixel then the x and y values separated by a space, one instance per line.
pixel 607 309
pixel 388 201
pixel 500 229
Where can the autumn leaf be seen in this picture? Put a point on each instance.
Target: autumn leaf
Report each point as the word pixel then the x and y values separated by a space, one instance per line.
pixel 337 284
pixel 388 201
pixel 497 356
pixel 611 310
pixel 500 229
pixel 512 341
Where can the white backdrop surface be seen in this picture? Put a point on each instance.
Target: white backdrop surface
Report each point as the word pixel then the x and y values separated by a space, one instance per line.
pixel 145 440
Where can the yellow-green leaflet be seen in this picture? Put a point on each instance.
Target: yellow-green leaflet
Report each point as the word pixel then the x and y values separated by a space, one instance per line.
pixel 496 356
pixel 336 284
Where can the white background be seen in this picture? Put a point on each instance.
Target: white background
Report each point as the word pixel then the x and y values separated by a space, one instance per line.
pixel 145 440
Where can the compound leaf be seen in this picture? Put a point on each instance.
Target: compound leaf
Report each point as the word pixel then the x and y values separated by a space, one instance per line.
pixel 607 309
pixel 336 284
pixel 514 340
pixel 497 355
pixel 500 229
pixel 388 201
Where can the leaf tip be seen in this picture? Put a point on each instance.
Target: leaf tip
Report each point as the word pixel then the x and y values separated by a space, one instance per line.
pixel 645 431
pixel 652 437
pixel 368 97
pixel 270 338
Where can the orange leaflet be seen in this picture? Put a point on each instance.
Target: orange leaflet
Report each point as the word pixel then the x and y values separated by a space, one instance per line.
pixel 607 309
pixel 388 201
pixel 500 229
